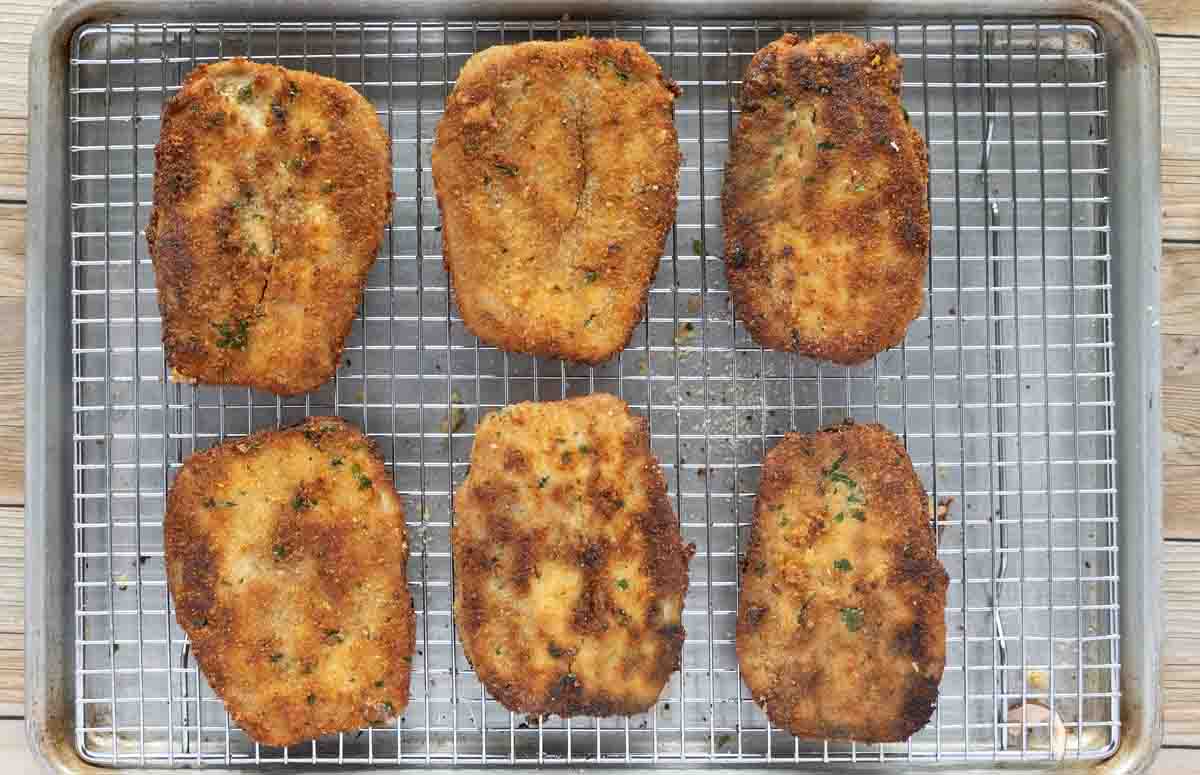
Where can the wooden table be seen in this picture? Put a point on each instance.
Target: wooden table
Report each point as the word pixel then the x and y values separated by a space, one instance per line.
pixel 1178 21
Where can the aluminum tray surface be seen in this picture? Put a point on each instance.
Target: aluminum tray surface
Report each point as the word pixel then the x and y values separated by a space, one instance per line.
pixel 1003 391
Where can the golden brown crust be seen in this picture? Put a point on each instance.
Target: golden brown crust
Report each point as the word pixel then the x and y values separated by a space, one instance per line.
pixel 569 569
pixel 286 554
pixel 841 631
pixel 271 190
pixel 556 165
pixel 825 209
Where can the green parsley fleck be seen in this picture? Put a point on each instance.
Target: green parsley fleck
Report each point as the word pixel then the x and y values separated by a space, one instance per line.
pixel 334 636
pixel 389 708
pixel 842 565
pixel 507 169
pixel 312 699
pixel 276 657
pixel 852 618
pixel 302 502
pixel 861 516
pixel 738 259
pixel 296 164
pixel 327 187
pixel 698 247
pixel 590 276
pixel 623 584
pixel 280 551
pixel 826 145
pixel 724 740
pixel 246 93
pixel 542 482
pixel 839 517
pixel 860 188
pixel 584 449
pixel 784 521
pixel 379 684
pixel 363 480
pixel 621 74
pixel 907 118
pixel 232 334
pixel 293 89
pixel 337 461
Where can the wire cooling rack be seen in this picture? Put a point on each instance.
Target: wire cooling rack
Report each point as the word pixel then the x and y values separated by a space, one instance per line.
pixel 1002 391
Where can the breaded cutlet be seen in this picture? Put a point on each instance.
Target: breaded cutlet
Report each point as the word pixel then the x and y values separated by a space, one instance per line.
pixel 271 191
pixel 555 166
pixel 824 205
pixel 569 569
pixel 840 630
pixel 285 554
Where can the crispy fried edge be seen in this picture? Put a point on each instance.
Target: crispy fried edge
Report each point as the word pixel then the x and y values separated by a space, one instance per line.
pixel 634 58
pixel 744 251
pixel 171 248
pixel 921 565
pixel 195 596
pixel 665 564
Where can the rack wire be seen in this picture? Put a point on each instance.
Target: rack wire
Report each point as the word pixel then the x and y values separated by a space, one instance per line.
pixel 1002 390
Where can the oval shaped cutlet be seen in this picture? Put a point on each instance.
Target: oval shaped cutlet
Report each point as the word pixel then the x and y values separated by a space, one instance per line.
pixel 840 629
pixel 555 166
pixel 271 191
pixel 569 569
pixel 825 209
pixel 286 554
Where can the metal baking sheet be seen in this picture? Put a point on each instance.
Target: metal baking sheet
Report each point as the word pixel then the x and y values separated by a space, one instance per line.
pixel 1005 391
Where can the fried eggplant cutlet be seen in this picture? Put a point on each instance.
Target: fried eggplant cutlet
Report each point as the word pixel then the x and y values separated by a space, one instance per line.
pixel 286 555
pixel 825 209
pixel 271 190
pixel 569 569
pixel 555 166
pixel 840 630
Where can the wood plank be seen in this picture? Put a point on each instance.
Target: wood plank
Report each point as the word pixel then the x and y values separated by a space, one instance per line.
pixel 12 354
pixel 12 621
pixel 12 158
pixel 1181 660
pixel 1181 435
pixel 16 34
pixel 1180 60
pixel 1181 289
pixel 1173 17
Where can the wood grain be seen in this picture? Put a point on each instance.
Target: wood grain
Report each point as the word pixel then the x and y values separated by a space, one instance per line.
pixel 1174 17
pixel 1180 61
pixel 12 612
pixel 1181 661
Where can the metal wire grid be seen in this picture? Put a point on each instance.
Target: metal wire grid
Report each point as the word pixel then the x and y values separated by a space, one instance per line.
pixel 1002 390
